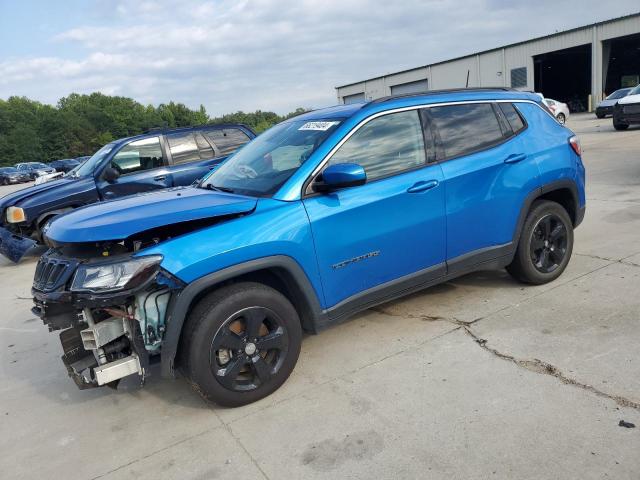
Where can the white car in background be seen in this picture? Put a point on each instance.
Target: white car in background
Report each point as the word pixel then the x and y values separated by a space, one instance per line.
pixel 47 177
pixel 560 110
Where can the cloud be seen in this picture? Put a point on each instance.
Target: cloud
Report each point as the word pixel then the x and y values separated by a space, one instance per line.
pixel 271 54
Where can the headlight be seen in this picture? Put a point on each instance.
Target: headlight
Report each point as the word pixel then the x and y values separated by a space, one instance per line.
pixel 115 276
pixel 15 215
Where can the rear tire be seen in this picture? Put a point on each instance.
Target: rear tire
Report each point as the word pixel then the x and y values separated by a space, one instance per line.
pixel 561 118
pixel 600 115
pixel 240 343
pixel 545 244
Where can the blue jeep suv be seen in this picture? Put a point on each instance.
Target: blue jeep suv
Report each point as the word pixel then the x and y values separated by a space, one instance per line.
pixel 322 216
pixel 151 161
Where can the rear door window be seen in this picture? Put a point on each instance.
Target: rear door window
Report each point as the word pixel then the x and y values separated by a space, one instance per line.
pixel 183 147
pixel 467 128
pixel 227 140
pixel 137 156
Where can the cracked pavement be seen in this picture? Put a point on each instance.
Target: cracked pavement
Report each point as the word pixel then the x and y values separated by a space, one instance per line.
pixel 479 377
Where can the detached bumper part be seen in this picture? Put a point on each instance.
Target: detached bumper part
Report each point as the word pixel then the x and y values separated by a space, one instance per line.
pixel 13 246
pixel 85 353
pixel 112 371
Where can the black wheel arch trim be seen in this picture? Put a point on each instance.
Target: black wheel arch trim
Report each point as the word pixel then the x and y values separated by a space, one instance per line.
pixel 180 304
pixel 543 190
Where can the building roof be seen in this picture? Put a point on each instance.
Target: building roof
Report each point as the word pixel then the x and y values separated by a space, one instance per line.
pixel 555 34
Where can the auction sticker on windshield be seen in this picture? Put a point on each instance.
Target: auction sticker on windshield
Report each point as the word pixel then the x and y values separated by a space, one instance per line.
pixel 321 126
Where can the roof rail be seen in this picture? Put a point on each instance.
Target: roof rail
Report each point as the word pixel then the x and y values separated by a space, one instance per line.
pixel 437 92
pixel 167 129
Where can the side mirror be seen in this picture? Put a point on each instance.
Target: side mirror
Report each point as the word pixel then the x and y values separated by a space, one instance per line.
pixel 340 175
pixel 110 174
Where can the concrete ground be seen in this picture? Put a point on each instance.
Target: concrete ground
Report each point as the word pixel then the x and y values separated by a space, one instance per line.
pixel 481 377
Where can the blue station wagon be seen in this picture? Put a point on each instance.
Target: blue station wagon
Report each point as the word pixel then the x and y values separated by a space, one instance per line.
pixel 155 160
pixel 322 216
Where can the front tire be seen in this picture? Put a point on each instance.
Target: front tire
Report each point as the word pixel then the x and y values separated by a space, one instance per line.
pixel 600 115
pixel 561 118
pixel 240 343
pixel 620 126
pixel 545 244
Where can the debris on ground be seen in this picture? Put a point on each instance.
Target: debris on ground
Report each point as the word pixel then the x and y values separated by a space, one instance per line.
pixel 624 424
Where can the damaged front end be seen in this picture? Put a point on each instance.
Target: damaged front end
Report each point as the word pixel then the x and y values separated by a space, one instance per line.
pixel 111 310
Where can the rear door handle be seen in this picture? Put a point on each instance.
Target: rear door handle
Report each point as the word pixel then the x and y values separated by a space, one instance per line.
pixel 515 158
pixel 422 186
pixel 160 178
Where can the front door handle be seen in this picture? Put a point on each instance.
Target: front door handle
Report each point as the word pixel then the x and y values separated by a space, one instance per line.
pixel 160 178
pixel 422 186
pixel 515 158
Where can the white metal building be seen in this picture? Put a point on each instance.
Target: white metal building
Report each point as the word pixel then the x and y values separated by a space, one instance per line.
pixel 577 66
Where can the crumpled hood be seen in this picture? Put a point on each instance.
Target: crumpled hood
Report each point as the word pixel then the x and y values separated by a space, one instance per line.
pixel 629 99
pixel 118 219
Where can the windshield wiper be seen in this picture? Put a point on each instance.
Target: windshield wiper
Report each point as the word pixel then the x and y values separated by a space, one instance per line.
pixel 220 189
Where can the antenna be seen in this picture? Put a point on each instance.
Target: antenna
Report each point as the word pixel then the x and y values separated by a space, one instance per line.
pixel 467 85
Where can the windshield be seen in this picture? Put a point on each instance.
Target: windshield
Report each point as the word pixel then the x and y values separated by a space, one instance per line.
pixel 37 165
pixel 89 166
pixel 618 94
pixel 262 166
pixel 635 91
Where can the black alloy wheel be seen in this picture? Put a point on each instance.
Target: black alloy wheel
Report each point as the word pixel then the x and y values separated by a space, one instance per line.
pixel 248 349
pixel 545 244
pixel 548 245
pixel 240 343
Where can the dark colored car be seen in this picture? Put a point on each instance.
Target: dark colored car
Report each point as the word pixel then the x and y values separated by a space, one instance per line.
pixel 10 175
pixel 64 165
pixel 152 161
pixel 323 215
pixel 627 111
pixel 35 169
pixel 605 107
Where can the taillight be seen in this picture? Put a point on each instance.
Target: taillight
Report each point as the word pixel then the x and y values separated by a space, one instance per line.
pixel 575 145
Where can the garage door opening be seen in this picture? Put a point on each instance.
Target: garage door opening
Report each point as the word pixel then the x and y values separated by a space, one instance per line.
pixel 621 63
pixel 565 75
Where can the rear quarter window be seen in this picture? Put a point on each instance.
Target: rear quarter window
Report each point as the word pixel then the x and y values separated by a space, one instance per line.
pixel 513 117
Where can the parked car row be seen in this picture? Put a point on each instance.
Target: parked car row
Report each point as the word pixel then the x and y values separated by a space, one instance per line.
pixel 323 215
pixel 30 171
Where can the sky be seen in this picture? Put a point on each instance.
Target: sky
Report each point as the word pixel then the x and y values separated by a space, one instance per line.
pixel 274 55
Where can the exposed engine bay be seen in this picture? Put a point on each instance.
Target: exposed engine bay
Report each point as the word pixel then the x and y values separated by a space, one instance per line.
pixel 108 332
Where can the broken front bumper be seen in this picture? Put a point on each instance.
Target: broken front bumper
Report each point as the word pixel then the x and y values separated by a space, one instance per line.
pixel 105 336
pixel 14 246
